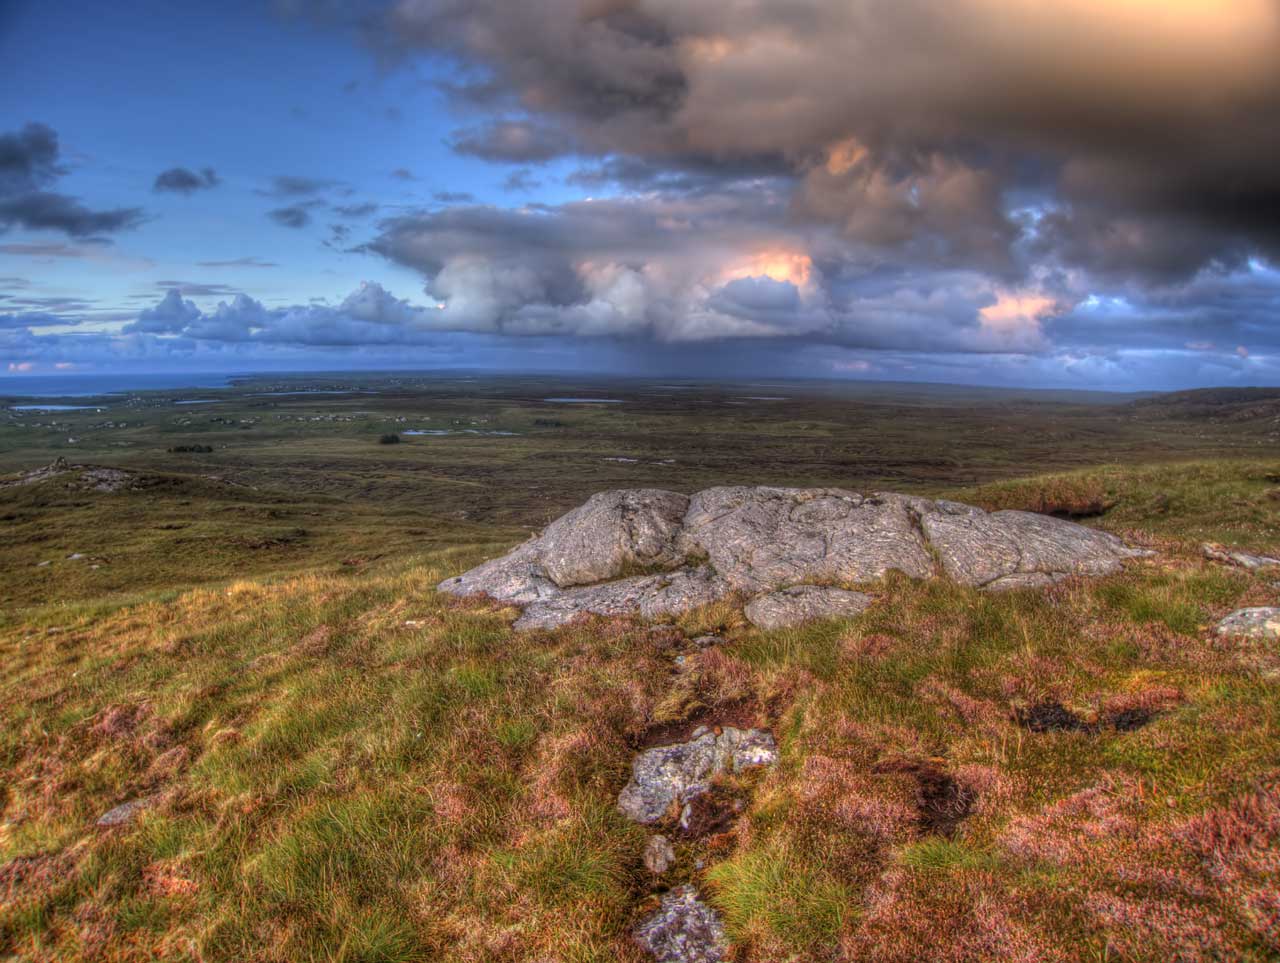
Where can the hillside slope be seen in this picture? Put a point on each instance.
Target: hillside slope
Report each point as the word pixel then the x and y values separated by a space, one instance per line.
pixel 335 762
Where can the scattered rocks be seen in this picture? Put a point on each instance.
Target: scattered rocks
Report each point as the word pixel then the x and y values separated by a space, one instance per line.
pixel 678 773
pixel 684 930
pixel 758 541
pixel 804 603
pixel 125 813
pixel 1227 556
pixel 659 854
pixel 1259 623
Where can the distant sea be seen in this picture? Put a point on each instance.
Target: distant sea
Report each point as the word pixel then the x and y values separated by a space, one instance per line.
pixel 86 386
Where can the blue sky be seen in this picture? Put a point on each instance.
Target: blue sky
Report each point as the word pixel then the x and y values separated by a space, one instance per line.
pixel 643 186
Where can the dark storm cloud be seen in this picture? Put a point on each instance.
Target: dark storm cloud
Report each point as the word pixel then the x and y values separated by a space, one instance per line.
pixel 512 141
pixel 28 165
pixel 910 125
pixel 181 180
pixel 295 216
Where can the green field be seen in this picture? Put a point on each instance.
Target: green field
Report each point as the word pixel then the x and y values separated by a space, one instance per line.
pixel 340 764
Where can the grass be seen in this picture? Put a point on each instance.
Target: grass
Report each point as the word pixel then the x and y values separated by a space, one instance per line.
pixel 342 764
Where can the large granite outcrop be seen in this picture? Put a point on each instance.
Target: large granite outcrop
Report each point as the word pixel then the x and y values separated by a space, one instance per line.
pixel 653 553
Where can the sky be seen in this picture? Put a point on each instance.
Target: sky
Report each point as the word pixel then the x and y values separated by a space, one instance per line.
pixel 1007 192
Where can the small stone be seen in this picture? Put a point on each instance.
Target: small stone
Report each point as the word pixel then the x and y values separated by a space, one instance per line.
pixel 75 557
pixel 678 773
pixel 1260 623
pixel 804 603
pixel 659 854
pixel 707 641
pixel 1227 556
pixel 124 813
pixel 684 930
pixel 43 564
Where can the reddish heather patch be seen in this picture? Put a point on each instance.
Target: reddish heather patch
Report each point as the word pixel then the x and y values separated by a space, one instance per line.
pixel 168 764
pixel 168 879
pixel 94 928
pixel 31 878
pixel 873 646
pixel 119 721
pixel 315 643
pixel 981 714
pixel 911 917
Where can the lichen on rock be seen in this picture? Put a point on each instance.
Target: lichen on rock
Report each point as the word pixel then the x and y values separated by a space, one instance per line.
pixel 678 773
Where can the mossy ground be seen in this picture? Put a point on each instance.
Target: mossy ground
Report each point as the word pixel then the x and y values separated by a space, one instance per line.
pixel 341 764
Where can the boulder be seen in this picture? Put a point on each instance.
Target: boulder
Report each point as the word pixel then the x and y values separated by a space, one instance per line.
pixel 1259 623
pixel 678 773
pixel 758 541
pixel 804 603
pixel 683 930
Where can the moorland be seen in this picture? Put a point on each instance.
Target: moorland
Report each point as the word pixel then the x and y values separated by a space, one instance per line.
pixel 220 604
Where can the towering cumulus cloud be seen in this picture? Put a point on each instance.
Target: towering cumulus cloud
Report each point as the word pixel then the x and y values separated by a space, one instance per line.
pixel 978 175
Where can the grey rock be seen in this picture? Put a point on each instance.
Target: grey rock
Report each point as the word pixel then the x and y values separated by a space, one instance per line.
pixel 761 539
pixel 1228 556
pixel 517 577
pixel 613 532
pixel 804 603
pixel 707 641
pixel 1259 623
pixel 677 773
pixel 683 930
pixel 659 855
pixel 124 813
pixel 1017 549
pixel 646 596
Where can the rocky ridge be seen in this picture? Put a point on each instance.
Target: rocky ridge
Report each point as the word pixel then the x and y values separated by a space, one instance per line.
pixel 653 553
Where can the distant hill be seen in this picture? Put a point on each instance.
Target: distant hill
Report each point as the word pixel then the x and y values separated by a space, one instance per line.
pixel 1217 404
